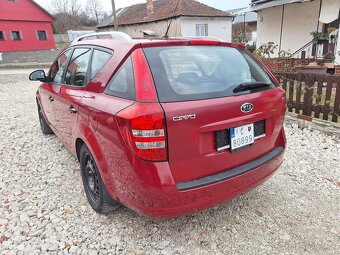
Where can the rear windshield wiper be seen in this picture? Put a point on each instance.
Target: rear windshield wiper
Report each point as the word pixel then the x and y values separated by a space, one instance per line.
pixel 250 85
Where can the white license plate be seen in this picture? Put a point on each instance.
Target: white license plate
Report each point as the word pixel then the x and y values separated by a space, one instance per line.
pixel 241 136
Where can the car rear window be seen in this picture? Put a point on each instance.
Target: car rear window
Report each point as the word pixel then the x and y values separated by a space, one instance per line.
pixel 185 73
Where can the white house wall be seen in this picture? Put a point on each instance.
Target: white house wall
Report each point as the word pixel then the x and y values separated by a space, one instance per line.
pixel 337 55
pixel 300 19
pixel 268 25
pixel 217 27
pixel 159 27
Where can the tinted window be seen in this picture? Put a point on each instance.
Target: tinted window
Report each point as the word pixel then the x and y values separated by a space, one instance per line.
pixel 77 69
pixel 99 59
pixel 58 67
pixel 123 83
pixel 202 72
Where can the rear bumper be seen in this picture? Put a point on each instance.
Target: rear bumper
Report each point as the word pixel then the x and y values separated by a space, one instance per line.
pixel 188 197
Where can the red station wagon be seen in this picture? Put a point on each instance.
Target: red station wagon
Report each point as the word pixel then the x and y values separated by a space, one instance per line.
pixel 166 127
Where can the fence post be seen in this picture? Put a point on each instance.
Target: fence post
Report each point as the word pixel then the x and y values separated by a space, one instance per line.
pixel 326 107
pixel 298 93
pixel 336 108
pixel 307 99
pixel 317 108
pixel 291 92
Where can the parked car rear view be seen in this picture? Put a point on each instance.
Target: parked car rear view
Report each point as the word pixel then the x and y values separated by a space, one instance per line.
pixel 166 127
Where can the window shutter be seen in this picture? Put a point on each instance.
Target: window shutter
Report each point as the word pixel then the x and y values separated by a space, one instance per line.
pixel 21 35
pixel 206 29
pixel 37 34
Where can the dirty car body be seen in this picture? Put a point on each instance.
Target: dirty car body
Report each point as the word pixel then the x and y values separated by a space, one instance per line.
pixel 171 126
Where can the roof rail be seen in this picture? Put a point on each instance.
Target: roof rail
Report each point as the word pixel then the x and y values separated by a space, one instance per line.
pixel 114 35
pixel 211 38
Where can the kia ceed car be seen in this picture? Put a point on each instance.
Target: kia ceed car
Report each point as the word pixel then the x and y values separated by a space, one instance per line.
pixel 165 127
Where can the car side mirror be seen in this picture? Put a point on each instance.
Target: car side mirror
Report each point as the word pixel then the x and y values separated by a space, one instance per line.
pixel 38 75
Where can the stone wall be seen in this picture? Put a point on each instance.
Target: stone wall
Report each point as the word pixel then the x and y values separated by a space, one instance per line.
pixel 39 56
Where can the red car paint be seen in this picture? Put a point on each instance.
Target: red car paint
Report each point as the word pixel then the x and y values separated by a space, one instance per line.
pixel 145 181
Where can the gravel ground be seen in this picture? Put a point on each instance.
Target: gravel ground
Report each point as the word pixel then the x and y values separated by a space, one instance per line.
pixel 43 209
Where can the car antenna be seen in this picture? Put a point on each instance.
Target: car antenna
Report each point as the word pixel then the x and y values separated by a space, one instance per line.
pixel 173 15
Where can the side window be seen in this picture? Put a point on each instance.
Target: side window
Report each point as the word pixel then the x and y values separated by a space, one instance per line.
pixel 16 35
pixel 2 36
pixel 123 83
pixel 77 69
pixel 99 59
pixel 202 30
pixel 58 67
pixel 41 35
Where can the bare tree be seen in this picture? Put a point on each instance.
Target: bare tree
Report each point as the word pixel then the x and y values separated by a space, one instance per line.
pixel 70 7
pixel 95 7
pixel 67 13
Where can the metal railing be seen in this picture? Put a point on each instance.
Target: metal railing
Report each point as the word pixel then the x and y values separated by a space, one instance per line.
pixel 302 48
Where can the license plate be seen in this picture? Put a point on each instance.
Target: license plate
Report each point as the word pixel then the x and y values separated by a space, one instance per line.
pixel 241 136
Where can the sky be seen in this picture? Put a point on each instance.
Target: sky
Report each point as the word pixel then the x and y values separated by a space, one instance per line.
pixel 219 4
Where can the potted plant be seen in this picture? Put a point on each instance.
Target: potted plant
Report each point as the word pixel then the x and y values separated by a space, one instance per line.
pixel 320 37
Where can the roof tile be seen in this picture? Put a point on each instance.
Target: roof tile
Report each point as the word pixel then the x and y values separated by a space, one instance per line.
pixel 165 9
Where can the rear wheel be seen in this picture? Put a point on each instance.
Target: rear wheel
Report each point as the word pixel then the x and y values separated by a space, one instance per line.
pixel 45 128
pixel 94 187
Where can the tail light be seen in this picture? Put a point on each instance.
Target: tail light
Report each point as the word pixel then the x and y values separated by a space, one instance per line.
pixel 143 124
pixel 143 127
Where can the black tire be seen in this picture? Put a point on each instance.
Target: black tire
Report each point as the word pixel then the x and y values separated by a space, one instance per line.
pixel 94 187
pixel 45 128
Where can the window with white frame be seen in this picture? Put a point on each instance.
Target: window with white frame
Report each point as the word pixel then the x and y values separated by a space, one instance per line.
pixel 16 35
pixel 202 30
pixel 2 36
pixel 41 35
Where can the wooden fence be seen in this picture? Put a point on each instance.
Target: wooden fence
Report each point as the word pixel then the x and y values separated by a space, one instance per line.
pixel 313 95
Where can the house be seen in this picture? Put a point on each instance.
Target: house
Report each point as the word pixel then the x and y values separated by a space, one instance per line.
pixel 184 18
pixel 244 25
pixel 24 25
pixel 290 24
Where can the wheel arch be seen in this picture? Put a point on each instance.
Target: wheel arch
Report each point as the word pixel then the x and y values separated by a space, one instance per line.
pixel 92 143
pixel 79 144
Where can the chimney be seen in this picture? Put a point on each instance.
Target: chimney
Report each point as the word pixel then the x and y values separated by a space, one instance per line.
pixel 149 7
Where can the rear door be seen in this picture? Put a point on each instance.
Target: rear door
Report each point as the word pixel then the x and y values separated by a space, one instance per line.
pixel 195 85
pixel 66 103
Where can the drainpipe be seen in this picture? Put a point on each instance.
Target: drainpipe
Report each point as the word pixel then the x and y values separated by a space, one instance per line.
pixel 283 13
pixel 317 30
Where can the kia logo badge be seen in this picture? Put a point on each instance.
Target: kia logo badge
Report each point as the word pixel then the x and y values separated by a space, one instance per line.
pixel 247 107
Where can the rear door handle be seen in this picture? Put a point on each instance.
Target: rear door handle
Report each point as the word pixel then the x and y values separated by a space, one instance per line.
pixel 72 109
pixel 51 98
